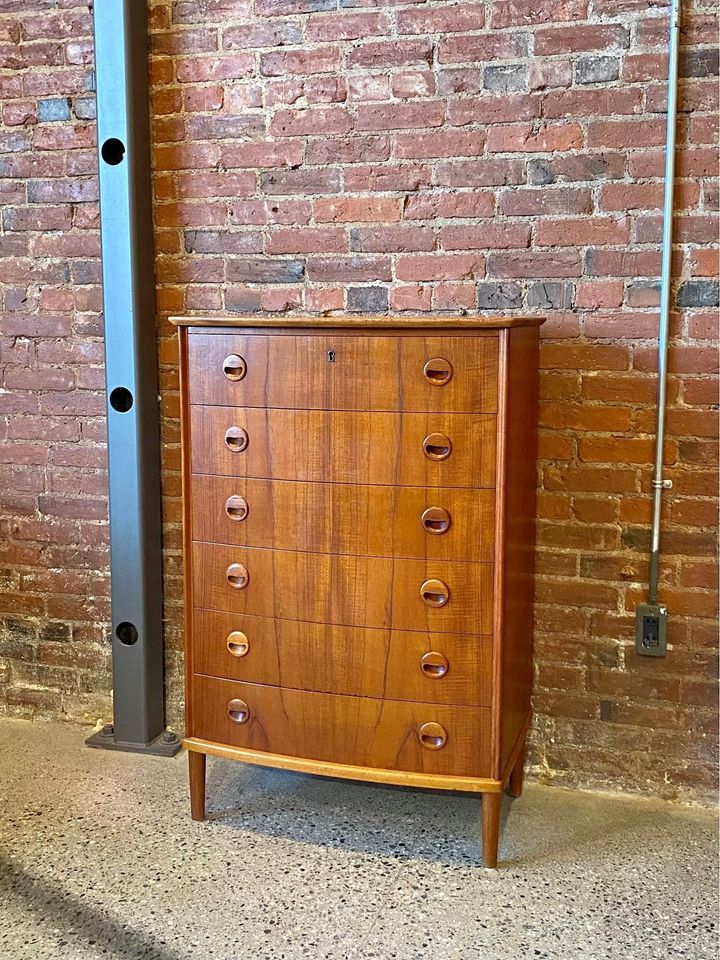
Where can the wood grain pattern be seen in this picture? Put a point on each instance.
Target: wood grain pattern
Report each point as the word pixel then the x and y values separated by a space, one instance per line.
pixel 358 661
pixel 196 771
pixel 343 447
pixel 329 633
pixel 358 323
pixel 345 771
pixel 491 806
pixel 514 633
pixel 342 729
pixel 350 591
pixel 366 373
pixel 374 521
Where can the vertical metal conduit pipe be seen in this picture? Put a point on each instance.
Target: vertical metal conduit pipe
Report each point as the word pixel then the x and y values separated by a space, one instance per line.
pixel 651 617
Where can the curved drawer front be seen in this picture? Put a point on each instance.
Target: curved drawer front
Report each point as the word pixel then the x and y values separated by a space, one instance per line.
pixel 375 521
pixel 412 449
pixel 385 734
pixel 336 372
pixel 360 661
pixel 350 591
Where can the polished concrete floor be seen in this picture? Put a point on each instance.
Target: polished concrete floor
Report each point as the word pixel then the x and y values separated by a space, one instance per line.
pixel 99 858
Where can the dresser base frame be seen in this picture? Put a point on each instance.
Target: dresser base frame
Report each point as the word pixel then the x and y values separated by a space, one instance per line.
pixel 491 789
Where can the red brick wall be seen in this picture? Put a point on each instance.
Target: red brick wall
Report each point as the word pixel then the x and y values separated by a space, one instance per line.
pixel 373 155
pixel 53 538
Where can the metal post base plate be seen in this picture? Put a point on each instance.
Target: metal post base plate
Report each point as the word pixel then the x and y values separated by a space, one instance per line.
pixel 166 745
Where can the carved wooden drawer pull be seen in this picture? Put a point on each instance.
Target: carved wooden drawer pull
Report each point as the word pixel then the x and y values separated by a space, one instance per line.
pixel 237 576
pixel 237 643
pixel 236 508
pixel 434 665
pixel 438 371
pixel 435 593
pixel 436 446
pixel 436 520
pixel 234 367
pixel 433 736
pixel 239 712
pixel 236 439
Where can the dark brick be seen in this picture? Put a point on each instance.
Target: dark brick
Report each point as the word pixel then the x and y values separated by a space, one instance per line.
pixel 607 711
pixel 51 111
pixel 367 299
pixel 700 63
pixel 86 271
pixel 551 295
pixel 540 172
pixel 55 632
pixel 85 108
pixel 15 649
pixel 504 78
pixel 499 296
pixel 597 70
pixel 266 270
pixel 19 629
pixel 242 300
pixel 699 293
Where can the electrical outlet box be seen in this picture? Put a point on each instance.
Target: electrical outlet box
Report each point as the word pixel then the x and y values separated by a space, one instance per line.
pixel 651 630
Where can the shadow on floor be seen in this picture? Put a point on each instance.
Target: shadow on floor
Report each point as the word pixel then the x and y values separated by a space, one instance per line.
pixel 402 822
pixel 76 921
pixel 367 818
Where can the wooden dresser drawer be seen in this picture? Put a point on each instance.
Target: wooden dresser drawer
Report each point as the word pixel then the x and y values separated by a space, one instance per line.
pixel 386 734
pixel 360 661
pixel 337 372
pixel 375 521
pixel 358 531
pixel 343 447
pixel 351 591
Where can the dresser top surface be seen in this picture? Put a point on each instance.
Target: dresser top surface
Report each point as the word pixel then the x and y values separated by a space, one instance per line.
pixel 360 322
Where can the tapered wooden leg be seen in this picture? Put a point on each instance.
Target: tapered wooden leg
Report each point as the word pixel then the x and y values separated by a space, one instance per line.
pixel 490 827
pixel 515 783
pixel 196 765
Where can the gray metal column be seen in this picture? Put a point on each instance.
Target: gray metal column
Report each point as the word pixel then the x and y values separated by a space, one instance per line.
pixel 123 130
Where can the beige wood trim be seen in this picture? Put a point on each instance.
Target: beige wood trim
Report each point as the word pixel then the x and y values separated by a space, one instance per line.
pixel 322 768
pixel 361 322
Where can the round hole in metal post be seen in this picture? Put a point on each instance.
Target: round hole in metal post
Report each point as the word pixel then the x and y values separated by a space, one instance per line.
pixel 113 151
pixel 126 633
pixel 121 399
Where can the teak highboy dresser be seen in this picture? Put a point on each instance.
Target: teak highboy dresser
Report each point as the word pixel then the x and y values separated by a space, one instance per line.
pixel 359 503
